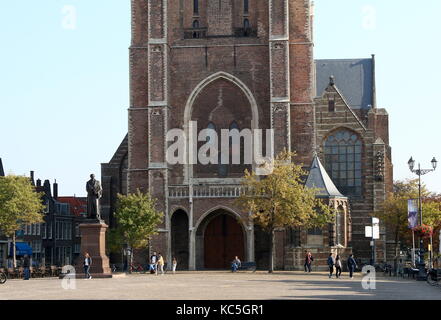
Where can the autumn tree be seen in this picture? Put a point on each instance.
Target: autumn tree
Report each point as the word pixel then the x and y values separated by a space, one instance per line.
pixel 136 221
pixel 20 205
pixel 394 212
pixel 281 200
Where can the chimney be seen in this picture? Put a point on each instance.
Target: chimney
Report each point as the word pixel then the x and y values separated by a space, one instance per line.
pixel 38 183
pixel 55 189
pixel 32 178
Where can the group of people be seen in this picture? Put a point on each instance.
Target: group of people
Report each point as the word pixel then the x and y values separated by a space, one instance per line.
pixel 332 263
pixel 157 263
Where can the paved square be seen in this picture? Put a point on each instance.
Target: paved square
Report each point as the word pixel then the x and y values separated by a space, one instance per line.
pixel 220 286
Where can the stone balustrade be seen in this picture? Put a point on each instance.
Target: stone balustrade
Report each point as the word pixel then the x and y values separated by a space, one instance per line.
pixel 206 191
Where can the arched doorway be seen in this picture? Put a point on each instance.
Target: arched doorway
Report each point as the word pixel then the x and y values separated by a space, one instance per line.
pixel 220 237
pixel 179 239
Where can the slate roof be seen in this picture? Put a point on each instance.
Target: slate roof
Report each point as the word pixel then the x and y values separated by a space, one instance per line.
pixel 318 178
pixel 354 78
pixel 2 172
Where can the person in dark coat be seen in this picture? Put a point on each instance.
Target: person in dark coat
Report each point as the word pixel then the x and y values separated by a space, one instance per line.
pixel 331 263
pixel 308 261
pixel 352 265
pixel 26 266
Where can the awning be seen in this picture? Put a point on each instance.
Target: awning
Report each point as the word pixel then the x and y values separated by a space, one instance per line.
pixel 21 248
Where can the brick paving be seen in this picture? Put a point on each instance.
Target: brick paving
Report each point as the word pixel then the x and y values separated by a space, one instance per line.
pixel 219 286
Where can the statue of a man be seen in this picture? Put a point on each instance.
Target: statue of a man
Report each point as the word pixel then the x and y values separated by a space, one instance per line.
pixel 94 193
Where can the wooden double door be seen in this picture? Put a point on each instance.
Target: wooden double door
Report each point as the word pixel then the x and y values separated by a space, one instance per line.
pixel 223 240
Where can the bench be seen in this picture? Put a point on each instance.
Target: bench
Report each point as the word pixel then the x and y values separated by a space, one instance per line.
pixel 247 266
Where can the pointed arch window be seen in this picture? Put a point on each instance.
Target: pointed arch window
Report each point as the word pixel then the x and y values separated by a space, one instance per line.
pixel 246 6
pixel 339 227
pixel 343 156
pixel 235 146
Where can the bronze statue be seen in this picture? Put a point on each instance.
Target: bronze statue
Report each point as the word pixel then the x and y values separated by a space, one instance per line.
pixel 94 194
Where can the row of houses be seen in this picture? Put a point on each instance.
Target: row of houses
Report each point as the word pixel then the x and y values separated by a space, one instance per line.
pixel 55 241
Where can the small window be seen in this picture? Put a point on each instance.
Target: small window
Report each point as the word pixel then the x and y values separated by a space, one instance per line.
pixel 331 105
pixel 196 24
pixel 246 6
pixel 196 7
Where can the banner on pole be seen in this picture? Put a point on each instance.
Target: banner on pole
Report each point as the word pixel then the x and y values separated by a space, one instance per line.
pixel 412 213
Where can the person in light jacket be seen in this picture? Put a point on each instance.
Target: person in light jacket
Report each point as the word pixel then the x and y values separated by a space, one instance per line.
pixel 338 266
pixel 87 264
pixel 160 264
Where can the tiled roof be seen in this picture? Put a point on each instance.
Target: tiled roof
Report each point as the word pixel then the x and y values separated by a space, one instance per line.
pixel 77 205
pixel 354 78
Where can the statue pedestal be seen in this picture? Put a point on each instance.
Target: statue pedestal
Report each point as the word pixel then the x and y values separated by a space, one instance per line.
pixel 93 241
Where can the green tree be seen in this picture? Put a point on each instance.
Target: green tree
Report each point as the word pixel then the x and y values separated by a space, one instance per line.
pixel 136 221
pixel 393 211
pixel 281 200
pixel 20 205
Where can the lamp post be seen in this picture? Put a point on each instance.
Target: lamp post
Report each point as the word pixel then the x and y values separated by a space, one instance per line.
pixel 420 172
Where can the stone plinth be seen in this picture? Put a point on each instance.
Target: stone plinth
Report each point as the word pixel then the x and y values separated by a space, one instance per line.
pixel 93 241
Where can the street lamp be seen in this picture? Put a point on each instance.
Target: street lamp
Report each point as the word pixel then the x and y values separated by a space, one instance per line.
pixel 420 172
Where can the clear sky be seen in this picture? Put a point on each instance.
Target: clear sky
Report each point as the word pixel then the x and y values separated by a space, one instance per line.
pixel 64 80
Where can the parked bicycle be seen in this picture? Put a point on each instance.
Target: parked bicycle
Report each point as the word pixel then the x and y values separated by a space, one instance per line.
pixel 433 277
pixel 3 277
pixel 136 268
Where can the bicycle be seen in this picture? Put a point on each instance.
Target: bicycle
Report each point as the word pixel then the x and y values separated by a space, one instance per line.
pixel 3 277
pixel 136 268
pixel 433 278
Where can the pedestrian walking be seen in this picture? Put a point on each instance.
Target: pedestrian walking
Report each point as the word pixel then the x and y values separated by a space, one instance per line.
pixel 174 265
pixel 87 264
pixel 308 261
pixel 338 266
pixel 153 262
pixel 26 266
pixel 160 264
pixel 235 264
pixel 331 263
pixel 352 265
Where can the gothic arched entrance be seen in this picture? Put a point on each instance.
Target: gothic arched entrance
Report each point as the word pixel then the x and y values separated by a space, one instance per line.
pixel 220 237
pixel 180 239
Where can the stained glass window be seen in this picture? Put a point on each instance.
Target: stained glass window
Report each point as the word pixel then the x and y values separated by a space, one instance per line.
pixel 343 161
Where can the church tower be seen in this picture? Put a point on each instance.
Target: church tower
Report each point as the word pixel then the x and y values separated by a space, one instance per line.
pixel 244 64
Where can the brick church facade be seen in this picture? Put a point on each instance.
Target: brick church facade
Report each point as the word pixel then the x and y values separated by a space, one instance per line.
pixel 247 64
